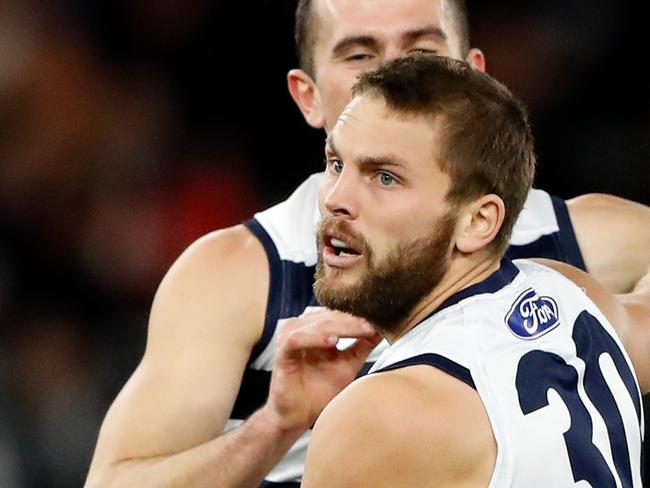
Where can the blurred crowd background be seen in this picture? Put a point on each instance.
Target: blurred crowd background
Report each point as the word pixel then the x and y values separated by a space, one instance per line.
pixel 128 128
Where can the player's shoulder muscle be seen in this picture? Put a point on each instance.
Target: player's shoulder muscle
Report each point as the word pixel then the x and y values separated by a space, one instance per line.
pixel 219 284
pixel 383 428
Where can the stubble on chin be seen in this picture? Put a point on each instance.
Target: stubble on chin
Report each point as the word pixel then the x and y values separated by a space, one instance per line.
pixel 386 292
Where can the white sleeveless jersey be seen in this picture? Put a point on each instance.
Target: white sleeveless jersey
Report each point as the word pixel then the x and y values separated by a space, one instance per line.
pixel 287 233
pixel 557 385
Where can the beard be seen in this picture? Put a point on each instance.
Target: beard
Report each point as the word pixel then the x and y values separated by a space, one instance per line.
pixel 388 290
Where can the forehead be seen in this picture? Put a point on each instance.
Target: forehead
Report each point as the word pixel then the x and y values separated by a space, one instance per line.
pixel 383 19
pixel 367 129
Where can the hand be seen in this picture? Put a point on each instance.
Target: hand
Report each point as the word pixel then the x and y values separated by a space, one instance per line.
pixel 309 370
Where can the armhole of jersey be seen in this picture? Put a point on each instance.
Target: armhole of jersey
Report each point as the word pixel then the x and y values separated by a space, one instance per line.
pixel 275 285
pixel 567 238
pixel 437 361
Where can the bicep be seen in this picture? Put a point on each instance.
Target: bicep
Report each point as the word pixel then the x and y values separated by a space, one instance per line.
pixel 637 308
pixel 614 238
pixel 204 321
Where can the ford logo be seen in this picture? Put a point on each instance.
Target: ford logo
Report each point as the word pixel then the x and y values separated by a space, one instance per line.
pixel 532 316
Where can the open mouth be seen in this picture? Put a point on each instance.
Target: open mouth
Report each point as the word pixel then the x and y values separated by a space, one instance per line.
pixel 341 250
pixel 340 247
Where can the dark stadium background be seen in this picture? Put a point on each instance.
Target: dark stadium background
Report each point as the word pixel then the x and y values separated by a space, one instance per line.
pixel 128 128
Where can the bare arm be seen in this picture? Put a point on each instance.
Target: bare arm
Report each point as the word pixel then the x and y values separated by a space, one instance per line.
pixel 165 427
pixel 416 426
pixel 614 238
pixel 637 337
pixel 628 313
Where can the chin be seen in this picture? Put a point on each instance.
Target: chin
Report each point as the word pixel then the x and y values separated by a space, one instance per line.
pixel 332 290
pixel 337 282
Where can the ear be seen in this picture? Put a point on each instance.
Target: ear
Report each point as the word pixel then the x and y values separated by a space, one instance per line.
pixel 476 59
pixel 304 92
pixel 480 222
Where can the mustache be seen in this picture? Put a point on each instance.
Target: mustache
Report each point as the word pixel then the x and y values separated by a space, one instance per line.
pixel 343 231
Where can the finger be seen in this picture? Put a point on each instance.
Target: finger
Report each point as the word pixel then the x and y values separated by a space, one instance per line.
pixel 308 338
pixel 343 327
pixel 326 333
pixel 329 322
pixel 322 313
pixel 362 348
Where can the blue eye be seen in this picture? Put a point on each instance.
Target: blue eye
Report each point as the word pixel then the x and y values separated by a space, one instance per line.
pixel 336 165
pixel 386 179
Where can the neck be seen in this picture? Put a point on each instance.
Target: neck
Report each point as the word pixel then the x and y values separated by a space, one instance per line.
pixel 464 271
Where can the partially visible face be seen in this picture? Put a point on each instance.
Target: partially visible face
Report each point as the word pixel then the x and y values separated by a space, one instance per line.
pixel 354 36
pixel 387 231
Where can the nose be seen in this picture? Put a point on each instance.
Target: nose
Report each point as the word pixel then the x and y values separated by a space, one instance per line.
pixel 392 53
pixel 340 196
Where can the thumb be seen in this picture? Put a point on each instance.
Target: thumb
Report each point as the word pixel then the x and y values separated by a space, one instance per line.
pixel 364 346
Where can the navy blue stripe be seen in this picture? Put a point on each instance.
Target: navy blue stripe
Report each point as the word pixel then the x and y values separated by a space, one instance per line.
pixel 561 245
pixel 253 392
pixel 364 371
pixel 280 484
pixel 298 280
pixel 437 361
pixel 290 287
pixel 567 238
pixel 493 283
pixel 544 247
pixel 275 286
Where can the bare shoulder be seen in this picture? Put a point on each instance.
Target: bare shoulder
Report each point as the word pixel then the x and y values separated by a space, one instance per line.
pixel 614 236
pixel 222 275
pixel 415 426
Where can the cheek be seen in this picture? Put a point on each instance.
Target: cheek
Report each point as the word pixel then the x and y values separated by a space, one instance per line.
pixel 387 234
pixel 405 226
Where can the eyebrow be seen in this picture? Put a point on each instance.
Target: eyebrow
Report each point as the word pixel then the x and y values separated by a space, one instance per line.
pixel 372 43
pixel 371 162
pixel 352 41
pixel 368 162
pixel 428 31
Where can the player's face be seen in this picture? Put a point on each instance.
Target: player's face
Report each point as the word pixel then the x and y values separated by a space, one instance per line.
pixel 358 35
pixel 387 230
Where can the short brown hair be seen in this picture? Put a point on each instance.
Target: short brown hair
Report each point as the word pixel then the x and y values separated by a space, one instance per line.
pixel 486 146
pixel 306 27
pixel 305 35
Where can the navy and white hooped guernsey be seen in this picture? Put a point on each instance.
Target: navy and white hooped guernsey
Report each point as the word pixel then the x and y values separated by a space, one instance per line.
pixel 287 233
pixel 559 390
